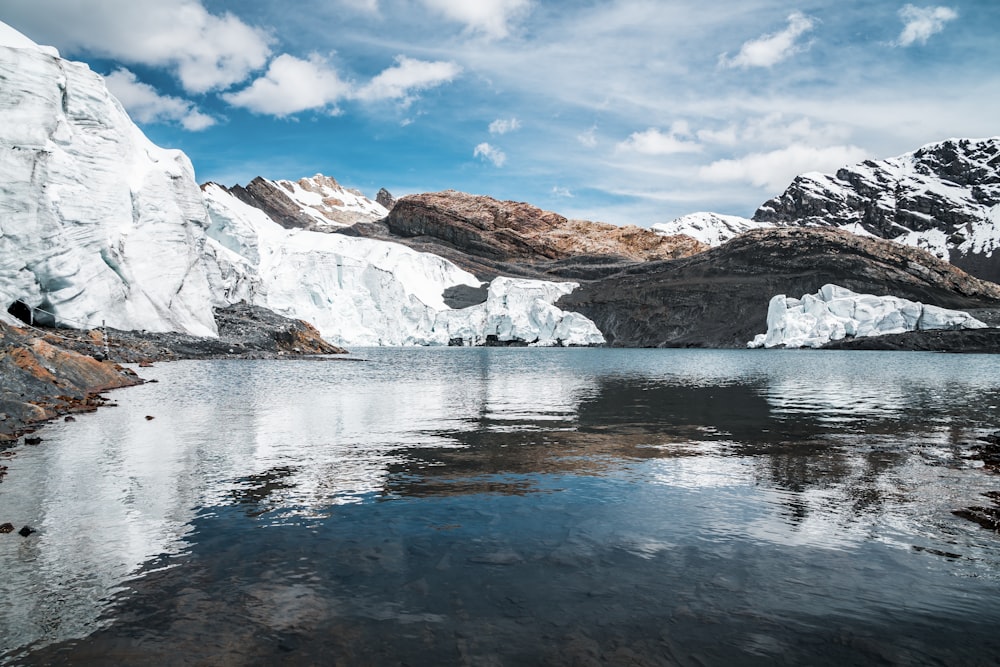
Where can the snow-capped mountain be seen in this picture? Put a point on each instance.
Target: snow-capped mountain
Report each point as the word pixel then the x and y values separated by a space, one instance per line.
pixel 318 203
pixel 86 202
pixel 710 228
pixel 97 224
pixel 943 197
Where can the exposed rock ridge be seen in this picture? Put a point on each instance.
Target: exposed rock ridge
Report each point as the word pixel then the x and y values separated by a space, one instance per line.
pixel 508 230
pixel 719 298
pixel 318 203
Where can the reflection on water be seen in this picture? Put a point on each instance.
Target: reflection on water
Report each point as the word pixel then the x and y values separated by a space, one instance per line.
pixel 514 506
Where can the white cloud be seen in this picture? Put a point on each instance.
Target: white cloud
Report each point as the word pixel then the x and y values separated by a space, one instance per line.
pixel 589 137
pixel 491 153
pixel 292 85
pixel 206 51
pixel 655 142
pixel 488 17
pixel 406 77
pixel 562 192
pixel 769 50
pixel 146 105
pixel 505 125
pixel 776 169
pixel 919 23
pixel 774 129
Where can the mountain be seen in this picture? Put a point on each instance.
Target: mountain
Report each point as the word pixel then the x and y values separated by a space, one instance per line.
pixel 712 229
pixel 99 225
pixel 720 298
pixel 96 222
pixel 943 197
pixel 490 237
pixel 318 203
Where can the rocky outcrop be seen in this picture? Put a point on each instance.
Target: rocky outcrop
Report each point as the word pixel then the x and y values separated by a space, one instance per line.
pixel 318 203
pixel 944 197
pixel 490 237
pixel 40 379
pixel 720 298
pixel 385 199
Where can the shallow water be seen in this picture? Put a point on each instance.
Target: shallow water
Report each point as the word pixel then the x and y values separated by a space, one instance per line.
pixel 511 507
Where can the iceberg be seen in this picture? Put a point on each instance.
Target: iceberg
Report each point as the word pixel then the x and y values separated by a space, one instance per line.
pixel 835 313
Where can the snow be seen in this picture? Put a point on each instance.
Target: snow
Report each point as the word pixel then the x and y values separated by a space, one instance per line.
pixel 359 291
pixel 835 313
pixel 11 38
pixel 97 224
pixel 330 205
pixel 710 228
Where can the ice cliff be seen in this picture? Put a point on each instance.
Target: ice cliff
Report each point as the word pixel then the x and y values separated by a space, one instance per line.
pixel 359 291
pixel 96 223
pixel 835 312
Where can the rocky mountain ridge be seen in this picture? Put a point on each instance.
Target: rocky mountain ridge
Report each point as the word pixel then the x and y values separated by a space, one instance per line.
pixel 318 203
pixel 491 237
pixel 943 197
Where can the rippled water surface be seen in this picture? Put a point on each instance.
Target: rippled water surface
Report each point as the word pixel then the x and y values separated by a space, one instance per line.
pixel 514 507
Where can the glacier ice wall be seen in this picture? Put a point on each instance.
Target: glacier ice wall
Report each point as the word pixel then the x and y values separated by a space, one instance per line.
pixel 835 313
pixel 96 222
pixel 360 291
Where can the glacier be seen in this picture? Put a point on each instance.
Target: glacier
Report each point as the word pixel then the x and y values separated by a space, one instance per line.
pixel 835 312
pixel 360 291
pixel 99 225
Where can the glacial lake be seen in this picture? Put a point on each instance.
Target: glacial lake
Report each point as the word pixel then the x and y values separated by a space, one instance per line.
pixel 514 507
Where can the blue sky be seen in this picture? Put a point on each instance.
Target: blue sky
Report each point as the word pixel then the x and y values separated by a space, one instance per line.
pixel 628 111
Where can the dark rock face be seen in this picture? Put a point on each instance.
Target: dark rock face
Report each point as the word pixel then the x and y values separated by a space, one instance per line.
pixel 385 198
pixel 719 298
pixel 939 196
pixel 490 237
pixel 268 197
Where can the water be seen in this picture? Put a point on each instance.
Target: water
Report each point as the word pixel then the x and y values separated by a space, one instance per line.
pixel 514 507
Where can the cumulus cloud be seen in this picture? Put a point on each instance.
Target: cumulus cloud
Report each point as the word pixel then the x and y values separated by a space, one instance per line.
pixel 146 105
pixel 561 192
pixel 655 142
pixel 491 18
pixel 769 50
pixel 292 85
pixel 774 170
pixel 491 153
pixel 505 125
pixel 920 23
pixel 205 51
pixel 407 77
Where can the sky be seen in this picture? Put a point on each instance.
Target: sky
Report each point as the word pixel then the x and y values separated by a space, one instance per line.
pixel 625 111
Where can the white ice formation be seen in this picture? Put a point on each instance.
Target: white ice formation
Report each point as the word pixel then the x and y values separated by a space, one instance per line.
pixel 97 224
pixel 710 228
pixel 835 313
pixel 359 291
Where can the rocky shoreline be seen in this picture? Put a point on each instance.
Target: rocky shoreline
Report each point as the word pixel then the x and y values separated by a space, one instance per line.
pixel 49 373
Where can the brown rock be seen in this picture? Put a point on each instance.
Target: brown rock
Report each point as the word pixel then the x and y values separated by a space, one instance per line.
pixel 507 230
